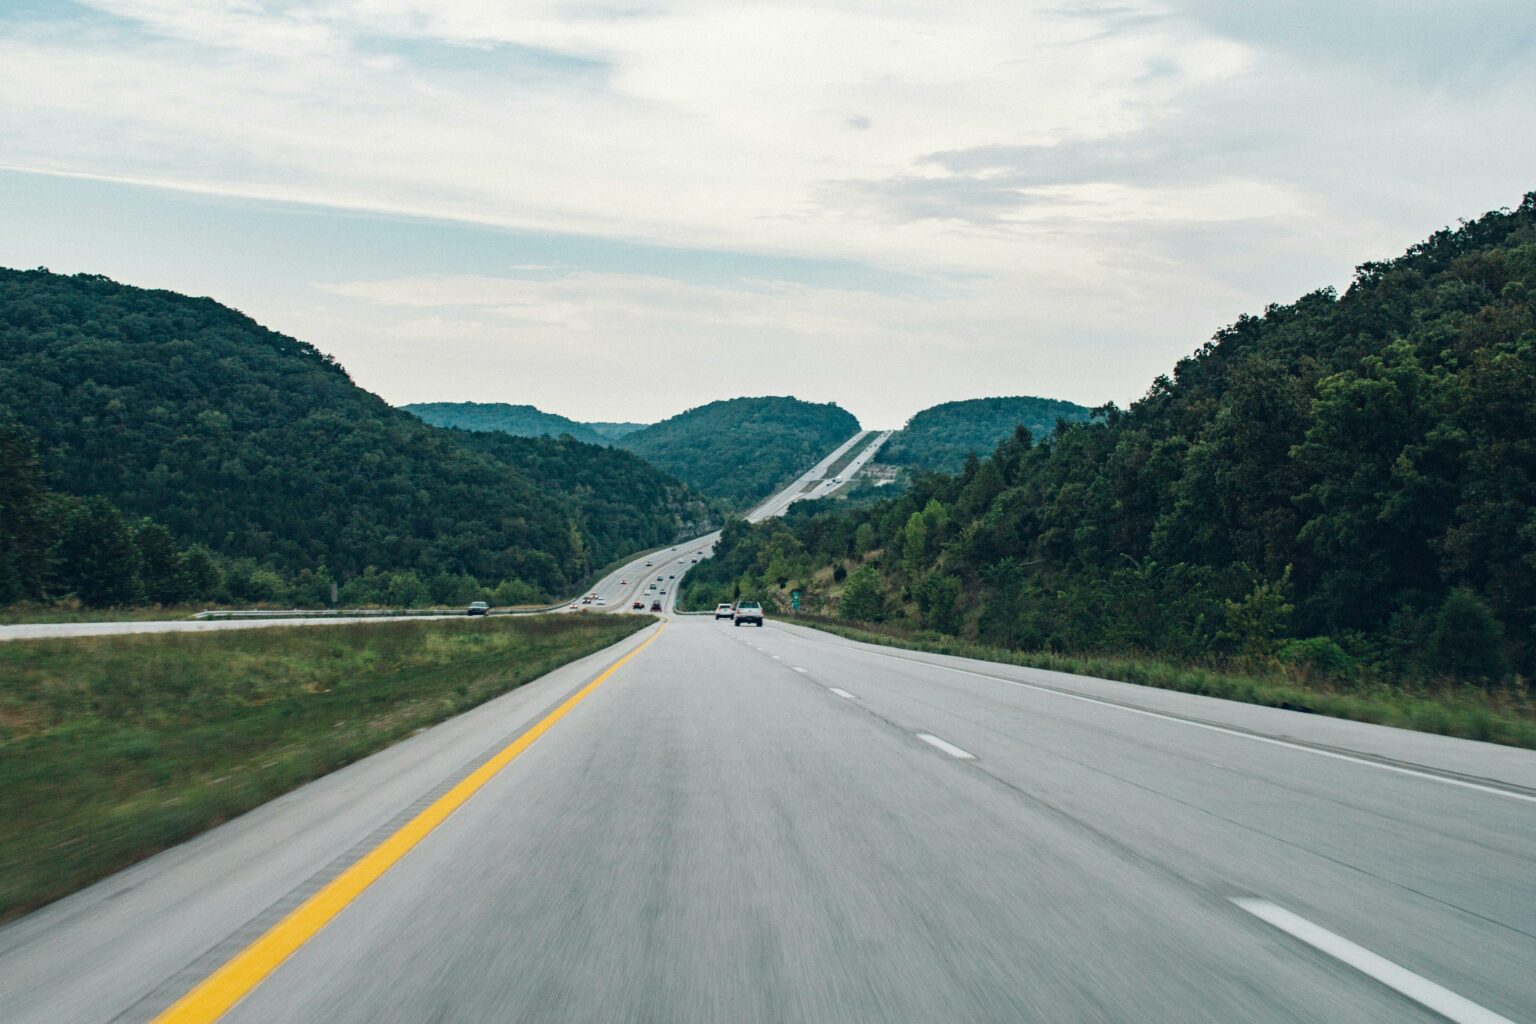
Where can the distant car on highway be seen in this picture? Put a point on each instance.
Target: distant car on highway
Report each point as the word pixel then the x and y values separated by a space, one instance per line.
pixel 479 608
pixel 724 611
pixel 638 606
pixel 655 606
pixel 749 612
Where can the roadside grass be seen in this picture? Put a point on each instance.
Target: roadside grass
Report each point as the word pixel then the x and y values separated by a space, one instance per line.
pixel 1497 717
pixel 31 614
pixel 113 748
pixel 39 614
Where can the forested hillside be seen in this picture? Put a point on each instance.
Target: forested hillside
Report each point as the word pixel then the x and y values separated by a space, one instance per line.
pixel 614 431
pixel 742 448
pixel 938 439
pixel 262 450
pixel 517 420
pixel 1345 484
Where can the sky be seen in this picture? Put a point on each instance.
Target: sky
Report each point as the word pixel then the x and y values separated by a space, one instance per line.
pixel 617 210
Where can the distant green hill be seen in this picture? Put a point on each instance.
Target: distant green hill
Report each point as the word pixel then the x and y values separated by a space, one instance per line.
pixel 742 448
pixel 613 431
pixel 517 420
pixel 940 438
pixel 259 446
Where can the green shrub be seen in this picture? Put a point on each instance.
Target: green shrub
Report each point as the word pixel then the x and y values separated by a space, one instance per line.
pixel 1318 655
pixel 1468 642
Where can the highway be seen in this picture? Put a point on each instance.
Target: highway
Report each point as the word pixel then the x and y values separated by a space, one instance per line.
pixel 714 823
pixel 780 825
pixel 621 588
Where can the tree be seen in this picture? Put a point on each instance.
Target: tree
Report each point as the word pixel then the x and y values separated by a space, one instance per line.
pixel 1257 621
pixel 936 595
pixel 25 533
pixel 162 570
pixel 96 558
pixel 1468 642
pixel 863 596
pixel 202 573
pixel 914 542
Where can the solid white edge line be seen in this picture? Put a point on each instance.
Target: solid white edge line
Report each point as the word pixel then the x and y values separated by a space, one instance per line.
pixel 1421 990
pixel 946 746
pixel 799 669
pixel 1367 762
pixel 842 693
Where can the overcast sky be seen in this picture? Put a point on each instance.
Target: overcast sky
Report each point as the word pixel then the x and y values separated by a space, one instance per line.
pixel 618 210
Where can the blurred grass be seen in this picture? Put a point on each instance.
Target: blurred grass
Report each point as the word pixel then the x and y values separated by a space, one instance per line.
pixel 112 748
pixel 1498 717
pixel 31 614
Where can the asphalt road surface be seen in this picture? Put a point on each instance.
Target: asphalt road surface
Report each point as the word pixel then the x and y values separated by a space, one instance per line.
pixel 743 824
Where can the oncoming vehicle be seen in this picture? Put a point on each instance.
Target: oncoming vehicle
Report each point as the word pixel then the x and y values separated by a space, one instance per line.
pixel 479 608
pixel 749 612
pixel 724 611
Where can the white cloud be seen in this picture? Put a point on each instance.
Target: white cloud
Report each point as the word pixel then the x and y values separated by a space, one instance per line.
pixel 718 126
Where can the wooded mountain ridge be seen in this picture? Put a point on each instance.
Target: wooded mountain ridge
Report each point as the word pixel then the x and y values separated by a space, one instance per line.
pixel 1344 483
pixel 258 447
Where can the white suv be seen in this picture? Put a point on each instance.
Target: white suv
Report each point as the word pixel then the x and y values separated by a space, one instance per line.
pixel 749 612
pixel 724 611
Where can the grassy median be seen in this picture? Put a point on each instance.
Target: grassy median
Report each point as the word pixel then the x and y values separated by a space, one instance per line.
pixel 1498 717
pixel 112 748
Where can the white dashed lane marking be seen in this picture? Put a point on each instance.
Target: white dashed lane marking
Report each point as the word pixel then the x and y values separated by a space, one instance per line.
pixel 946 746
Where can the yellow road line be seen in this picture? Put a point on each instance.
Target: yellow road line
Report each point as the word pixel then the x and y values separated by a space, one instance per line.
pixel 222 989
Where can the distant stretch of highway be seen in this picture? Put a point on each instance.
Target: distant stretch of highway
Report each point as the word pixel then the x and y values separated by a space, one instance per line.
pixel 632 582
pixel 709 823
